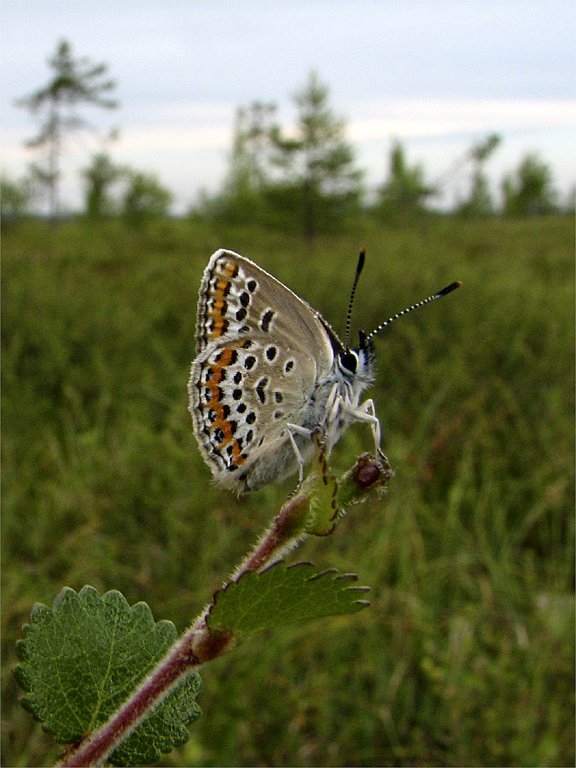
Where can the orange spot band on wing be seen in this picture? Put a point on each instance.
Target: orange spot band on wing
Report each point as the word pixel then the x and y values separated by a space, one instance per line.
pixel 217 312
pixel 215 404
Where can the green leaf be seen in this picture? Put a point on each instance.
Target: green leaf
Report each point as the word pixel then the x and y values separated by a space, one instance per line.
pixel 82 658
pixel 283 595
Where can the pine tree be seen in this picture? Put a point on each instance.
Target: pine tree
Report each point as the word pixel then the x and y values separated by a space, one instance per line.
pixel 529 190
pixel 479 201
pixel 144 198
pixel 403 194
pixel 16 196
pixel 316 165
pixel 74 81
pixel 243 196
pixel 251 147
pixel 99 177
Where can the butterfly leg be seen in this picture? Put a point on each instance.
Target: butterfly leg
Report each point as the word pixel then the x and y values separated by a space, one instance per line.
pixel 296 429
pixel 366 412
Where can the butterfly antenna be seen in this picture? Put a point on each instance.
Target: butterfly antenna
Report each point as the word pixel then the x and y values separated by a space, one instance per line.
pixel 438 295
pixel 359 268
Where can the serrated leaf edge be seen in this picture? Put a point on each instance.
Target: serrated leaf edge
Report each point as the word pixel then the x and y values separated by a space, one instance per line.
pixel 313 577
pixel 87 597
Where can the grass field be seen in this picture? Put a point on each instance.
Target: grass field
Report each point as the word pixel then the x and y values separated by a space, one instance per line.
pixel 466 656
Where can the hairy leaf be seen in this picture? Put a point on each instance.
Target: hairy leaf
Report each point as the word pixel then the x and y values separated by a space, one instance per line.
pixel 81 659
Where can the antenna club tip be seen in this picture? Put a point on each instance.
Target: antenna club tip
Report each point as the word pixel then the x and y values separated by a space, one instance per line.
pixel 449 288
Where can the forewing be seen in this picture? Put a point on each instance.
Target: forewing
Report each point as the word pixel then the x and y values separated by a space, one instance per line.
pixel 238 299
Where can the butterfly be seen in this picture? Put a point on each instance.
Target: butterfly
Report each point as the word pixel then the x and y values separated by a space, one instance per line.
pixel 270 372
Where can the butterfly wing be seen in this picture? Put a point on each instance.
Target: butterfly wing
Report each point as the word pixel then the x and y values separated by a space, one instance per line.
pixel 239 298
pixel 260 352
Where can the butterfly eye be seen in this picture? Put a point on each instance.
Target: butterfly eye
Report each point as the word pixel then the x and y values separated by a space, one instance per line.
pixel 348 361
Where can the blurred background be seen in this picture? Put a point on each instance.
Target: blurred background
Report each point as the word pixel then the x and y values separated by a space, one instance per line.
pixel 139 137
pixel 437 76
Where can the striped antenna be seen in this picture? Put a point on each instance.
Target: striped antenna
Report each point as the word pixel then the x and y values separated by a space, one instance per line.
pixel 438 295
pixel 359 268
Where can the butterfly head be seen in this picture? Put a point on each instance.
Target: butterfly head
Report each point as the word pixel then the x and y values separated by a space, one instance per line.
pixel 358 362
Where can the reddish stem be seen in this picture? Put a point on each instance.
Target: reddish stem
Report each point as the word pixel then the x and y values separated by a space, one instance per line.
pixel 281 534
pixel 196 646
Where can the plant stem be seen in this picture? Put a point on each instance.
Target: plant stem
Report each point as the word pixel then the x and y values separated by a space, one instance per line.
pixel 200 643
pixel 197 645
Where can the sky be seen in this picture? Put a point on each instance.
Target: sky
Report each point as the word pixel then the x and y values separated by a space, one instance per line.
pixel 437 75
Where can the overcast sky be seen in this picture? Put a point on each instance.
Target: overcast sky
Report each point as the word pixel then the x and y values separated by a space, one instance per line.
pixel 436 74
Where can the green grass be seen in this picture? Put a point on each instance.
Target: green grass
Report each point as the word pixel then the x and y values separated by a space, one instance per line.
pixel 466 656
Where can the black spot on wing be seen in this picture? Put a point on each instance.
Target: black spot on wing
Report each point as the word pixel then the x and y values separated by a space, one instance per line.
pixel 266 319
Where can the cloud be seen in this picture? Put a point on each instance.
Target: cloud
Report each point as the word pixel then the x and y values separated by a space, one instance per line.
pixel 406 119
pixel 192 127
pixel 174 138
